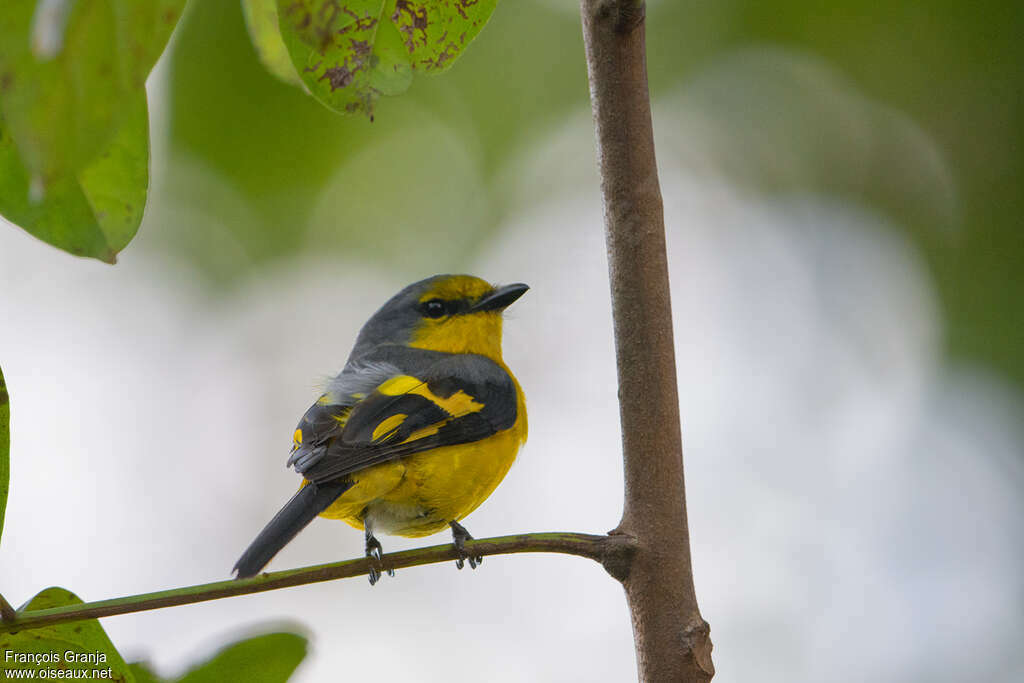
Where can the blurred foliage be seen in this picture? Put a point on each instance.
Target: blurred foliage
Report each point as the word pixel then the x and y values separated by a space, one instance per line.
pixel 423 168
pixel 268 658
pixel 956 69
pixel 84 638
pixel 281 175
pixel 74 127
pixel 5 448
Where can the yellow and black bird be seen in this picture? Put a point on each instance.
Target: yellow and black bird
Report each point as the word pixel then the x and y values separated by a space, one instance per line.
pixel 417 430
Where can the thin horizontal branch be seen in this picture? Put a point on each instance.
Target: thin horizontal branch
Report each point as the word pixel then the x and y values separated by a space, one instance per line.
pixel 613 552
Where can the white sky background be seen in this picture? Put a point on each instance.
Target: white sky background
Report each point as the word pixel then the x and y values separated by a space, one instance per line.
pixel 856 508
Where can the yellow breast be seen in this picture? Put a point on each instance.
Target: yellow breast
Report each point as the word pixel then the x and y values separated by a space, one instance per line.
pixel 420 494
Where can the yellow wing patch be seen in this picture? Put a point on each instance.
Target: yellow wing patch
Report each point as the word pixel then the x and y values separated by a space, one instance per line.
pixel 388 425
pixel 396 386
pixel 458 404
pixel 426 431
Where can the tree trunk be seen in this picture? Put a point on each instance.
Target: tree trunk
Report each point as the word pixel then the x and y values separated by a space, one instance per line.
pixel 672 639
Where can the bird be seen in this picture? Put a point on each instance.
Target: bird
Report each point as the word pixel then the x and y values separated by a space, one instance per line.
pixel 418 428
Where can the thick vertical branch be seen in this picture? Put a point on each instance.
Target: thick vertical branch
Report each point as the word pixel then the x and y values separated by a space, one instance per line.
pixel 672 640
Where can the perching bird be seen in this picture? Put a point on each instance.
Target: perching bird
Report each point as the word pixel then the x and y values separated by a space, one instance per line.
pixel 417 430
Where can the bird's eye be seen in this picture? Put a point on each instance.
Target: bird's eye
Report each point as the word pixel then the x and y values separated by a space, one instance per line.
pixel 434 308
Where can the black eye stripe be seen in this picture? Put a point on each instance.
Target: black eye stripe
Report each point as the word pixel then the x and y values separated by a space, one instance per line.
pixel 435 308
pixel 439 308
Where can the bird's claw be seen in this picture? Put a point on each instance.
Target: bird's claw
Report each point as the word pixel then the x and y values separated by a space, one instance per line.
pixel 459 538
pixel 374 552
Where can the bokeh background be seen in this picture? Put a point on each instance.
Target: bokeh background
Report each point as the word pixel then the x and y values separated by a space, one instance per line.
pixel 843 203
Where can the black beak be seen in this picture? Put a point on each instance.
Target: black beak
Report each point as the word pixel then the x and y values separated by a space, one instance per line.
pixel 500 298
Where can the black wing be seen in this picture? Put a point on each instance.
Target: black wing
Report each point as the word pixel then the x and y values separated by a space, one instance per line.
pixel 459 399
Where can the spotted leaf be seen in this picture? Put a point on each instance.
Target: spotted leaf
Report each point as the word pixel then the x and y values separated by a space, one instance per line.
pixel 351 52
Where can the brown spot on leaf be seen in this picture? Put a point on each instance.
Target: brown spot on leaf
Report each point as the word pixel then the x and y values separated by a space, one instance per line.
pixel 338 76
pixel 449 52
pixel 361 48
pixel 362 23
pixel 461 6
pixel 417 16
pixel 417 21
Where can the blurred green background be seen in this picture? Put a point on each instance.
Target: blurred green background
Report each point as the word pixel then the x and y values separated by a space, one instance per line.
pixel 431 165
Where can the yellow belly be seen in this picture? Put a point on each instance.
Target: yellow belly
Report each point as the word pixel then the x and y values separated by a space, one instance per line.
pixel 420 494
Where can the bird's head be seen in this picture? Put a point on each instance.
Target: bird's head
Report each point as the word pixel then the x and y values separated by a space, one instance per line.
pixel 450 313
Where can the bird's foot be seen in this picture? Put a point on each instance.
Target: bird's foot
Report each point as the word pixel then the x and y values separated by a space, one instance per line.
pixel 374 552
pixel 459 537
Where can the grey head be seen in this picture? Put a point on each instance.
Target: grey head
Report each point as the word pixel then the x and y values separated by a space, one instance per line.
pixel 397 321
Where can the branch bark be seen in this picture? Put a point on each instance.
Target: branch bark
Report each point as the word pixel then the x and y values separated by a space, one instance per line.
pixel 672 639
pixel 614 553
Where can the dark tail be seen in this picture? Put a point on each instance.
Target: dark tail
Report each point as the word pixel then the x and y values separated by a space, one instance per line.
pixel 309 502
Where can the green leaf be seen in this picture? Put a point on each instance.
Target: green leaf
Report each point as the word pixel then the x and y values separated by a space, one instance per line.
pixel 143 674
pixel 261 20
pixel 72 110
pixel 78 646
pixel 94 212
pixel 270 658
pixel 5 448
pixel 436 31
pixel 349 53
